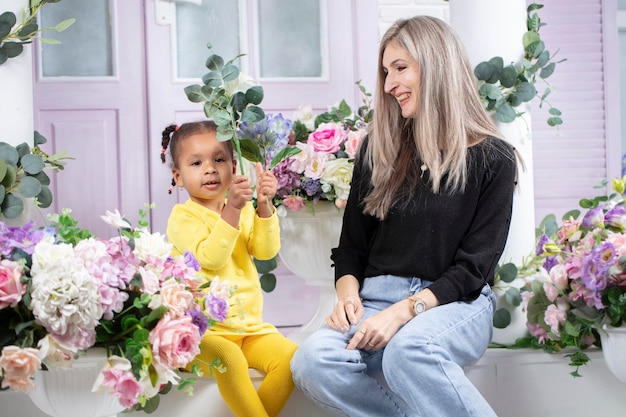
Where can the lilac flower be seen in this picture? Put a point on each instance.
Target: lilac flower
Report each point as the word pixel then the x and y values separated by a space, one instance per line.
pixel 191 261
pixel 24 238
pixel 616 217
pixel 596 265
pixel 550 263
pixel 594 218
pixel 311 186
pixel 287 179
pixel 199 319
pixel 216 307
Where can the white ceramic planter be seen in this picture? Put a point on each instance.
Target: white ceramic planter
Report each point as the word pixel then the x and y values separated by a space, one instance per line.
pixel 614 350
pixel 306 243
pixel 66 392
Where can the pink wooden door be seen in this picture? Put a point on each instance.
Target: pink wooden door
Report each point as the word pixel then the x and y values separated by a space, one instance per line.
pixel 97 112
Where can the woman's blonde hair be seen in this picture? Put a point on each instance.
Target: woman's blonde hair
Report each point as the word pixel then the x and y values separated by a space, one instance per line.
pixel 449 116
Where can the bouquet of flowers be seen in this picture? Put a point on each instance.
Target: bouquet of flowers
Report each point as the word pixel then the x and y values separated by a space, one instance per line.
pixel 580 284
pixel 63 291
pixel 316 153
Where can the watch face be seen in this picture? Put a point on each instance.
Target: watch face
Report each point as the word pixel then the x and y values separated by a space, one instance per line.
pixel 419 306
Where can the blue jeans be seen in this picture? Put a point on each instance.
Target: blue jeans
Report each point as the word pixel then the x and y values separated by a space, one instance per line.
pixel 420 371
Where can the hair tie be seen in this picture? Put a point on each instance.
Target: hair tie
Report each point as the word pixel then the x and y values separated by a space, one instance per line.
pixel 176 128
pixel 163 150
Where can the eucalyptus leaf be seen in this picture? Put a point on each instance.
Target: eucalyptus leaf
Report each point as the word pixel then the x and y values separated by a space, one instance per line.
pixel 12 49
pixel 574 214
pixel 268 282
pixel 3 169
pixel 252 114
pixel 28 30
pixel 22 149
pixel 543 58
pixel 508 76
pixel 2 193
pixel 547 70
pixel 513 297
pixel 238 101
pixel 10 176
pixel 555 121
pixel 526 92
pixel 29 187
pixel 483 71
pixel 505 113
pixel 501 318
pixel 230 73
pixel 7 21
pixel 254 95
pixel 225 133
pixel 222 117
pixel 195 94
pixel 212 79
pixel 215 63
pixel 12 206
pixel 32 164
pixel 508 272
pixel 3 56
pixel 265 266
pixel 529 38
pixel 9 154
pixel 45 197
pixel 38 138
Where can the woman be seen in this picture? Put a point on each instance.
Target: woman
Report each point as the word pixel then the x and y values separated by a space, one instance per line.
pixel 425 225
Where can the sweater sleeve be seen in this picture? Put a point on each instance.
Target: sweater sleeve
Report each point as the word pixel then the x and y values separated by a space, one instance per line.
pixel 264 241
pixel 482 245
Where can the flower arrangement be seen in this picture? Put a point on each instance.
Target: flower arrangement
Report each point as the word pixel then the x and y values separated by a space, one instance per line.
pixel 580 280
pixel 63 291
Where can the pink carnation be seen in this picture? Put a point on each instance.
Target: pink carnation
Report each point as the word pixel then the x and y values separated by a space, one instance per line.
pixel 293 202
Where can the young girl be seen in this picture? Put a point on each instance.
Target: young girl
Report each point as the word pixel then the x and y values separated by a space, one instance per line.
pixel 224 234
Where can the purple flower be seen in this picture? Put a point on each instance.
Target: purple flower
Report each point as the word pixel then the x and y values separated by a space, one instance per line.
pixel 199 320
pixel 595 266
pixel 287 179
pixel 311 186
pixel 191 261
pixel 542 241
pixel 550 263
pixel 616 217
pixel 594 218
pixel 216 307
pixel 270 134
pixel 14 237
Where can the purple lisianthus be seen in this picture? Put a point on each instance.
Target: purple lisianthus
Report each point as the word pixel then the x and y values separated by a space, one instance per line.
pixel 550 262
pixel 616 217
pixel 594 218
pixel 542 241
pixel 216 307
pixel 24 238
pixel 199 320
pixel 191 261
pixel 595 266
pixel 287 179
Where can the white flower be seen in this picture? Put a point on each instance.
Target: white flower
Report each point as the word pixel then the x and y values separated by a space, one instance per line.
pixel 301 160
pixel 116 220
pixel 305 115
pixel 338 173
pixel 317 164
pixel 241 84
pixel 152 245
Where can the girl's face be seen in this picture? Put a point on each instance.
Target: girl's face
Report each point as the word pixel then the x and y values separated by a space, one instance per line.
pixel 402 79
pixel 205 168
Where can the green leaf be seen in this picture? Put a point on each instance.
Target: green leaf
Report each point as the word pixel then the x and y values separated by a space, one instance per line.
pixel 7 21
pixel 268 282
pixel 9 154
pixel 60 27
pixel 11 206
pixel 283 154
pixel 12 49
pixel 28 30
pixel 215 63
pixel 42 177
pixel 45 197
pixel 491 91
pixel 254 95
pixel 508 76
pixel 484 71
pixel 195 94
pixel 29 187
pixel 10 177
pixel 252 114
pixel 505 113
pixel 238 101
pixel 50 41
pixel 3 56
pixel 212 79
pixel 222 118
pixel 266 266
pixel 32 164
pixel 230 73
pixel 529 38
pixel 572 213
pixel 526 91
pixel 543 59
pixel 501 318
pixel 225 133
pixel 251 151
pixel 513 297
pixel 3 169
pixel 39 139
pixel 555 121
pixel 508 272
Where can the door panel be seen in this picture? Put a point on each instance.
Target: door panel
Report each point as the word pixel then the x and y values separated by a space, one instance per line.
pixel 100 120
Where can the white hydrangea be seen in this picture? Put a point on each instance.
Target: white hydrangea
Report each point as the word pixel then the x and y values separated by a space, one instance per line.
pixel 149 246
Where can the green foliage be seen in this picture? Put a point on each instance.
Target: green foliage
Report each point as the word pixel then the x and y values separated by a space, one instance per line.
pixel 265 268
pixel 227 101
pixel 14 35
pixel 503 88
pixel 22 175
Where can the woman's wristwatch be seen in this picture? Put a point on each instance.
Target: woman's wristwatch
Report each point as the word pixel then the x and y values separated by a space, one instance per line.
pixel 419 305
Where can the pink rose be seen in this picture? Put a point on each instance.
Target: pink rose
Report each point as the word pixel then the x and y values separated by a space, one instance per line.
pixel 174 296
pixel 354 139
pixel 175 341
pixel 19 367
pixel 11 289
pixel 327 138
pixel 558 276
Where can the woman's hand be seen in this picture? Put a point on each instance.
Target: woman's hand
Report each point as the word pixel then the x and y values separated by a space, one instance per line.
pixel 348 311
pixel 375 332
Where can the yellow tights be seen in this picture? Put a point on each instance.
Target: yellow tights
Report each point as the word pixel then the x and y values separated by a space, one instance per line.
pixel 269 353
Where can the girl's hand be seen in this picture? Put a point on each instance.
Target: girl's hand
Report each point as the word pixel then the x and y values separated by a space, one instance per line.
pixel 240 192
pixel 266 184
